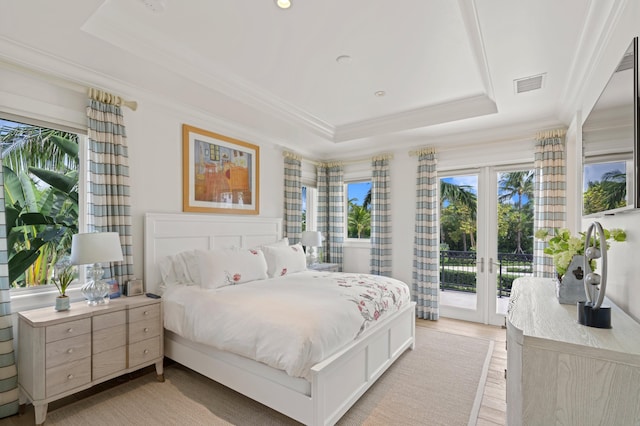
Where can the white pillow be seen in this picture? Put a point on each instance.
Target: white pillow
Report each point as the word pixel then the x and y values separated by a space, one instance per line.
pixel 220 267
pixel 282 260
pixel 179 269
pixel 279 243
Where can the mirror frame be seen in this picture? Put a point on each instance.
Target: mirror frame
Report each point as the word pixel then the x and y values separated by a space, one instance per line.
pixel 633 172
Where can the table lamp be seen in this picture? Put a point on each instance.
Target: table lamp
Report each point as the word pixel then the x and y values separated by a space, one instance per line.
pixel 311 240
pixel 93 249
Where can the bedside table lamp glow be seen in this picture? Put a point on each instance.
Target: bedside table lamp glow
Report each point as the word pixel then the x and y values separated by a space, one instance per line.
pixel 93 249
pixel 311 240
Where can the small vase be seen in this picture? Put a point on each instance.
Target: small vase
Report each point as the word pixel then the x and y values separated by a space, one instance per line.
pixel 570 287
pixel 63 303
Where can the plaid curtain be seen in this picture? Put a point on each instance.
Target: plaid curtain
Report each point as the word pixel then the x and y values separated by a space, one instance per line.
pixel 425 246
pixel 8 372
pixel 108 187
pixel 380 217
pixel 331 210
pixel 292 220
pixel 549 195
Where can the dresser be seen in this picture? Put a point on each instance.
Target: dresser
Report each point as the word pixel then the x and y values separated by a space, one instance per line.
pixel 61 353
pixel 562 373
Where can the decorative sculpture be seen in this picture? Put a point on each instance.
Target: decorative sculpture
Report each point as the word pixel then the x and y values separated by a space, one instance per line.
pixel 591 313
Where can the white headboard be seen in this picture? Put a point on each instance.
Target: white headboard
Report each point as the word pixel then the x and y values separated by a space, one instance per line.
pixel 166 234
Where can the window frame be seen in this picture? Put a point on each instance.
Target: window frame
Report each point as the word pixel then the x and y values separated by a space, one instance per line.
pixel 44 295
pixel 347 239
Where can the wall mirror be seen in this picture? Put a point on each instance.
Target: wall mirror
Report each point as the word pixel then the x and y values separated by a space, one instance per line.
pixel 610 143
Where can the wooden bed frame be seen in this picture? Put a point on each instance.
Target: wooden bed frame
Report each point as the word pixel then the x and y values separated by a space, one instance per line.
pixel 337 382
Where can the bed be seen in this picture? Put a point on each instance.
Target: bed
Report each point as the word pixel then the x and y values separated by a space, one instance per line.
pixel 322 392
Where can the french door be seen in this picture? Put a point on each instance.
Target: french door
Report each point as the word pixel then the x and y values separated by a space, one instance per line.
pixel 486 235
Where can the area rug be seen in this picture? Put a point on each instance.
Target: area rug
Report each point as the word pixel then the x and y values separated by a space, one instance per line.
pixel 440 382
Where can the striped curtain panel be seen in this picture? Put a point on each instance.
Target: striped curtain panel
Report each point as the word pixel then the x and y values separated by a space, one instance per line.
pixel 331 210
pixel 549 195
pixel 108 190
pixel 292 220
pixel 8 373
pixel 380 217
pixel 425 246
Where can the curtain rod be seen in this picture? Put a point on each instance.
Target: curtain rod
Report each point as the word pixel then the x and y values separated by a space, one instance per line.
pixel 288 154
pixel 108 98
pixel 422 151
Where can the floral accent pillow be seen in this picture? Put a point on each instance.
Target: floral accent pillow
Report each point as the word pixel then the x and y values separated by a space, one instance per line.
pixel 221 267
pixel 285 260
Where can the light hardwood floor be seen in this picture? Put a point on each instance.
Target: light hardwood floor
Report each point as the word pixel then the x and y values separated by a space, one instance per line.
pixel 492 411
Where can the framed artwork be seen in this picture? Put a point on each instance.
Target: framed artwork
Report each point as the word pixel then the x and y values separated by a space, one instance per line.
pixel 220 174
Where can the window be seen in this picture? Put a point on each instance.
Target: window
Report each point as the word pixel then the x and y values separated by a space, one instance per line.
pixel 309 208
pixel 42 210
pixel 358 209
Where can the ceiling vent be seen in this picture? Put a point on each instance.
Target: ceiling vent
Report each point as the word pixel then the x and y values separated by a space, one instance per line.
pixel 528 84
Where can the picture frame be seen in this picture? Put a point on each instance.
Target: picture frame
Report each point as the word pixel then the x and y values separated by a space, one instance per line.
pixel 220 174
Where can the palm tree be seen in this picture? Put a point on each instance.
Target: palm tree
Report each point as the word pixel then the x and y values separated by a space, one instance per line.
pixel 359 219
pixel 614 185
pixel 461 195
pixel 516 185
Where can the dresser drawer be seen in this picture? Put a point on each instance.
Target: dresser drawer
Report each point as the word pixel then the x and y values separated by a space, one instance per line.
pixel 109 320
pixel 144 351
pixel 68 329
pixel 67 350
pixel 143 330
pixel 109 362
pixel 109 338
pixel 68 376
pixel 144 312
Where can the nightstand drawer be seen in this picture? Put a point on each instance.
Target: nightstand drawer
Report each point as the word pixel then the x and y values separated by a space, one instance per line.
pixel 68 376
pixel 143 330
pixel 68 350
pixel 109 338
pixel 144 313
pixel 146 350
pixel 68 329
pixel 109 320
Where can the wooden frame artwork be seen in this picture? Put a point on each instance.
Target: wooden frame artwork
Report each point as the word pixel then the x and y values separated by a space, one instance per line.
pixel 220 174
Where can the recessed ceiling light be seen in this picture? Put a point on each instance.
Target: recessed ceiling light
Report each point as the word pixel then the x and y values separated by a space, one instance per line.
pixel 380 93
pixel 283 4
pixel 343 59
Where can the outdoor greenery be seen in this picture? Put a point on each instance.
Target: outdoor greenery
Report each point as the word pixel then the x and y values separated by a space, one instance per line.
pixel 40 169
pixel 606 194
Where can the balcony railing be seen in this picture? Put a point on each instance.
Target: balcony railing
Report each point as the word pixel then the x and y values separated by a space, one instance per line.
pixel 458 270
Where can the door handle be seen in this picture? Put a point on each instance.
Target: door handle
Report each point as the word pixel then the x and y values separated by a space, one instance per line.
pixel 491 263
pixel 481 263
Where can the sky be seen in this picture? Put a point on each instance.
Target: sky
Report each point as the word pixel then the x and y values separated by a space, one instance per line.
pixel 594 172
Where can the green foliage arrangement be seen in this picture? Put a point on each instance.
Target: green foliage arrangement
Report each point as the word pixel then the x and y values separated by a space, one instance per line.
pixel 64 273
pixel 563 246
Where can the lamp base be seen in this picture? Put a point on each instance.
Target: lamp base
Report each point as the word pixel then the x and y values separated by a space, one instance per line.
pixel 598 318
pixel 96 291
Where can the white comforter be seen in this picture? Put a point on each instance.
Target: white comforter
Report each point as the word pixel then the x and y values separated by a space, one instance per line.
pixel 290 322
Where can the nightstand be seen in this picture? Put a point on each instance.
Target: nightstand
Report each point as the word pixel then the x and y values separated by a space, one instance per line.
pixel 61 353
pixel 326 267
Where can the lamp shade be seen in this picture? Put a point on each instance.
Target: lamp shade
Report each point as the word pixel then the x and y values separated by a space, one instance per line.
pixel 95 247
pixel 311 239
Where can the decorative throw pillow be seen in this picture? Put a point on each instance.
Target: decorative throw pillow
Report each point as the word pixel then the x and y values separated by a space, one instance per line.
pixel 221 267
pixel 284 260
pixel 179 269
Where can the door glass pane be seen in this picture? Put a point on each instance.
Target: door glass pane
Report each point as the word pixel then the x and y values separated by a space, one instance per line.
pixel 458 237
pixel 515 232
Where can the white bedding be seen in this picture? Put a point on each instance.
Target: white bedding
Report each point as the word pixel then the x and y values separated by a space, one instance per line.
pixel 290 323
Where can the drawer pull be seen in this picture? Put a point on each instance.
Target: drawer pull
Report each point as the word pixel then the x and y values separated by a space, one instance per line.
pixel 146 351
pixel 70 351
pixel 70 376
pixel 146 329
pixel 70 330
pixel 146 313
